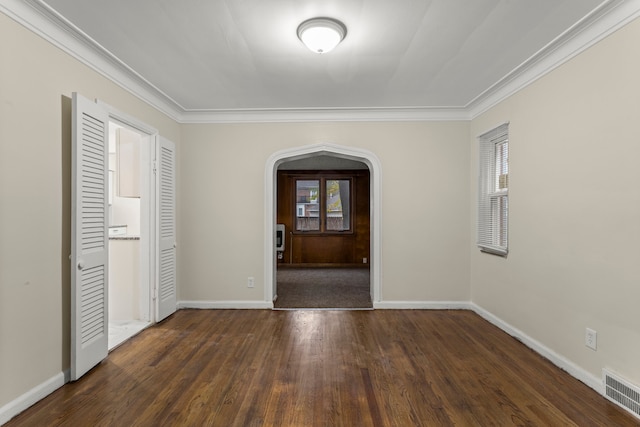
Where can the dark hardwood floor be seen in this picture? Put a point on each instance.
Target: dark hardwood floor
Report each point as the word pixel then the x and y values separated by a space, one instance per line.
pixel 324 368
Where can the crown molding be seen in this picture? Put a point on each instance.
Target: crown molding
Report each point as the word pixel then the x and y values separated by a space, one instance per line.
pixel 610 16
pixel 38 17
pixel 326 115
pixel 48 24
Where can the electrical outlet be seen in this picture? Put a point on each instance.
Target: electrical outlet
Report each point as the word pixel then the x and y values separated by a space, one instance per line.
pixel 250 282
pixel 364 260
pixel 591 339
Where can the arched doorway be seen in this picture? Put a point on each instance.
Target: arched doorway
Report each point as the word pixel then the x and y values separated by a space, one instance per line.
pixel 299 153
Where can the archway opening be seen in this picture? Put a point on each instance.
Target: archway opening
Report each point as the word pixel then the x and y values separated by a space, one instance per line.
pixel 303 154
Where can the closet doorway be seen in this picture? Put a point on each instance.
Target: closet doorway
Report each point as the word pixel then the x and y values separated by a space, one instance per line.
pixel 130 302
pixel 92 205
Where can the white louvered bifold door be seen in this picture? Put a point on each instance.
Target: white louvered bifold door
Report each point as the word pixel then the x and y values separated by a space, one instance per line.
pixel 89 241
pixel 167 228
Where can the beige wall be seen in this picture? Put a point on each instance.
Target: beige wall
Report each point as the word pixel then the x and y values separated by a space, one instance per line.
pixel 425 211
pixel 36 82
pixel 574 259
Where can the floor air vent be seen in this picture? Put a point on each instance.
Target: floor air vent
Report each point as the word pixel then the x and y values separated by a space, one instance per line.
pixel 622 393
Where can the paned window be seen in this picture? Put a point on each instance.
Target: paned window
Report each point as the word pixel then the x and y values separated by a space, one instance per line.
pixel 323 205
pixel 308 205
pixel 493 191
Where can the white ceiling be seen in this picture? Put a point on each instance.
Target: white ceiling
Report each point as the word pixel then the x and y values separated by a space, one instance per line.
pixel 229 55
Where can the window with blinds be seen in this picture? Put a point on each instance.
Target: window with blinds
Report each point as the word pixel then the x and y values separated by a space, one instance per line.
pixel 493 191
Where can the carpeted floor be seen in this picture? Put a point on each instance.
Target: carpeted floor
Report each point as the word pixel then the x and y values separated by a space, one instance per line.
pixel 323 288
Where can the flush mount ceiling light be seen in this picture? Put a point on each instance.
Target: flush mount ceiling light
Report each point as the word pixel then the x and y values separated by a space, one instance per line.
pixel 321 35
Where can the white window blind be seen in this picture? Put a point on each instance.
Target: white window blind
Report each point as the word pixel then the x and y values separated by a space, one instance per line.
pixel 493 191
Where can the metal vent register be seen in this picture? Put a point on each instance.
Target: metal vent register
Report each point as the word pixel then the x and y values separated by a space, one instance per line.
pixel 622 392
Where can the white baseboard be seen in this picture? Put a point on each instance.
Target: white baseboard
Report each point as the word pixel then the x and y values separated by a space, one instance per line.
pixel 422 305
pixel 226 304
pixel 558 360
pixel 32 396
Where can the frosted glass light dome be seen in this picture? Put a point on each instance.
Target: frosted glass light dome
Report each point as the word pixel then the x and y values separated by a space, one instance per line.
pixel 321 35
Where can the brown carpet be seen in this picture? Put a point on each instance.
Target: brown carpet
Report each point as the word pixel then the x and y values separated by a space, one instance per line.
pixel 323 288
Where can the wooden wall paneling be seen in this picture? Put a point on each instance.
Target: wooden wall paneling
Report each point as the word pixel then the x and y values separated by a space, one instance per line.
pixel 348 248
pixel 284 213
pixel 362 218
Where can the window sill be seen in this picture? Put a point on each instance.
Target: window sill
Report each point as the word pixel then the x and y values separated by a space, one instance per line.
pixel 494 250
pixel 322 233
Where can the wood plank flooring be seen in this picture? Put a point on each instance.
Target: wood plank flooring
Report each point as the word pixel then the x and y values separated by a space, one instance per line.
pixel 324 368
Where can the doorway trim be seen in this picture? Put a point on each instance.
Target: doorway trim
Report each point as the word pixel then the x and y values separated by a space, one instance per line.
pixel 375 209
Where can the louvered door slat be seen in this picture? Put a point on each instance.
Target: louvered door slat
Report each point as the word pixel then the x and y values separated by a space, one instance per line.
pixel 89 251
pixel 166 230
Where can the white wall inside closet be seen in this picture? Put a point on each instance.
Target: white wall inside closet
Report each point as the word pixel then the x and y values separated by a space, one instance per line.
pixel 130 300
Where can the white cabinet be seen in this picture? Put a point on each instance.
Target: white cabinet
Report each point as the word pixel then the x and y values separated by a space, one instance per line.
pixel 128 168
pixel 124 279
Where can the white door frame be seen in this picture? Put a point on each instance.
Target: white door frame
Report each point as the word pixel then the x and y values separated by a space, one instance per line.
pixel 375 208
pixel 147 217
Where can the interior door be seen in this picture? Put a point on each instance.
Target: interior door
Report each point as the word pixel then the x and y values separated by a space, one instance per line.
pixel 166 210
pixel 89 240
